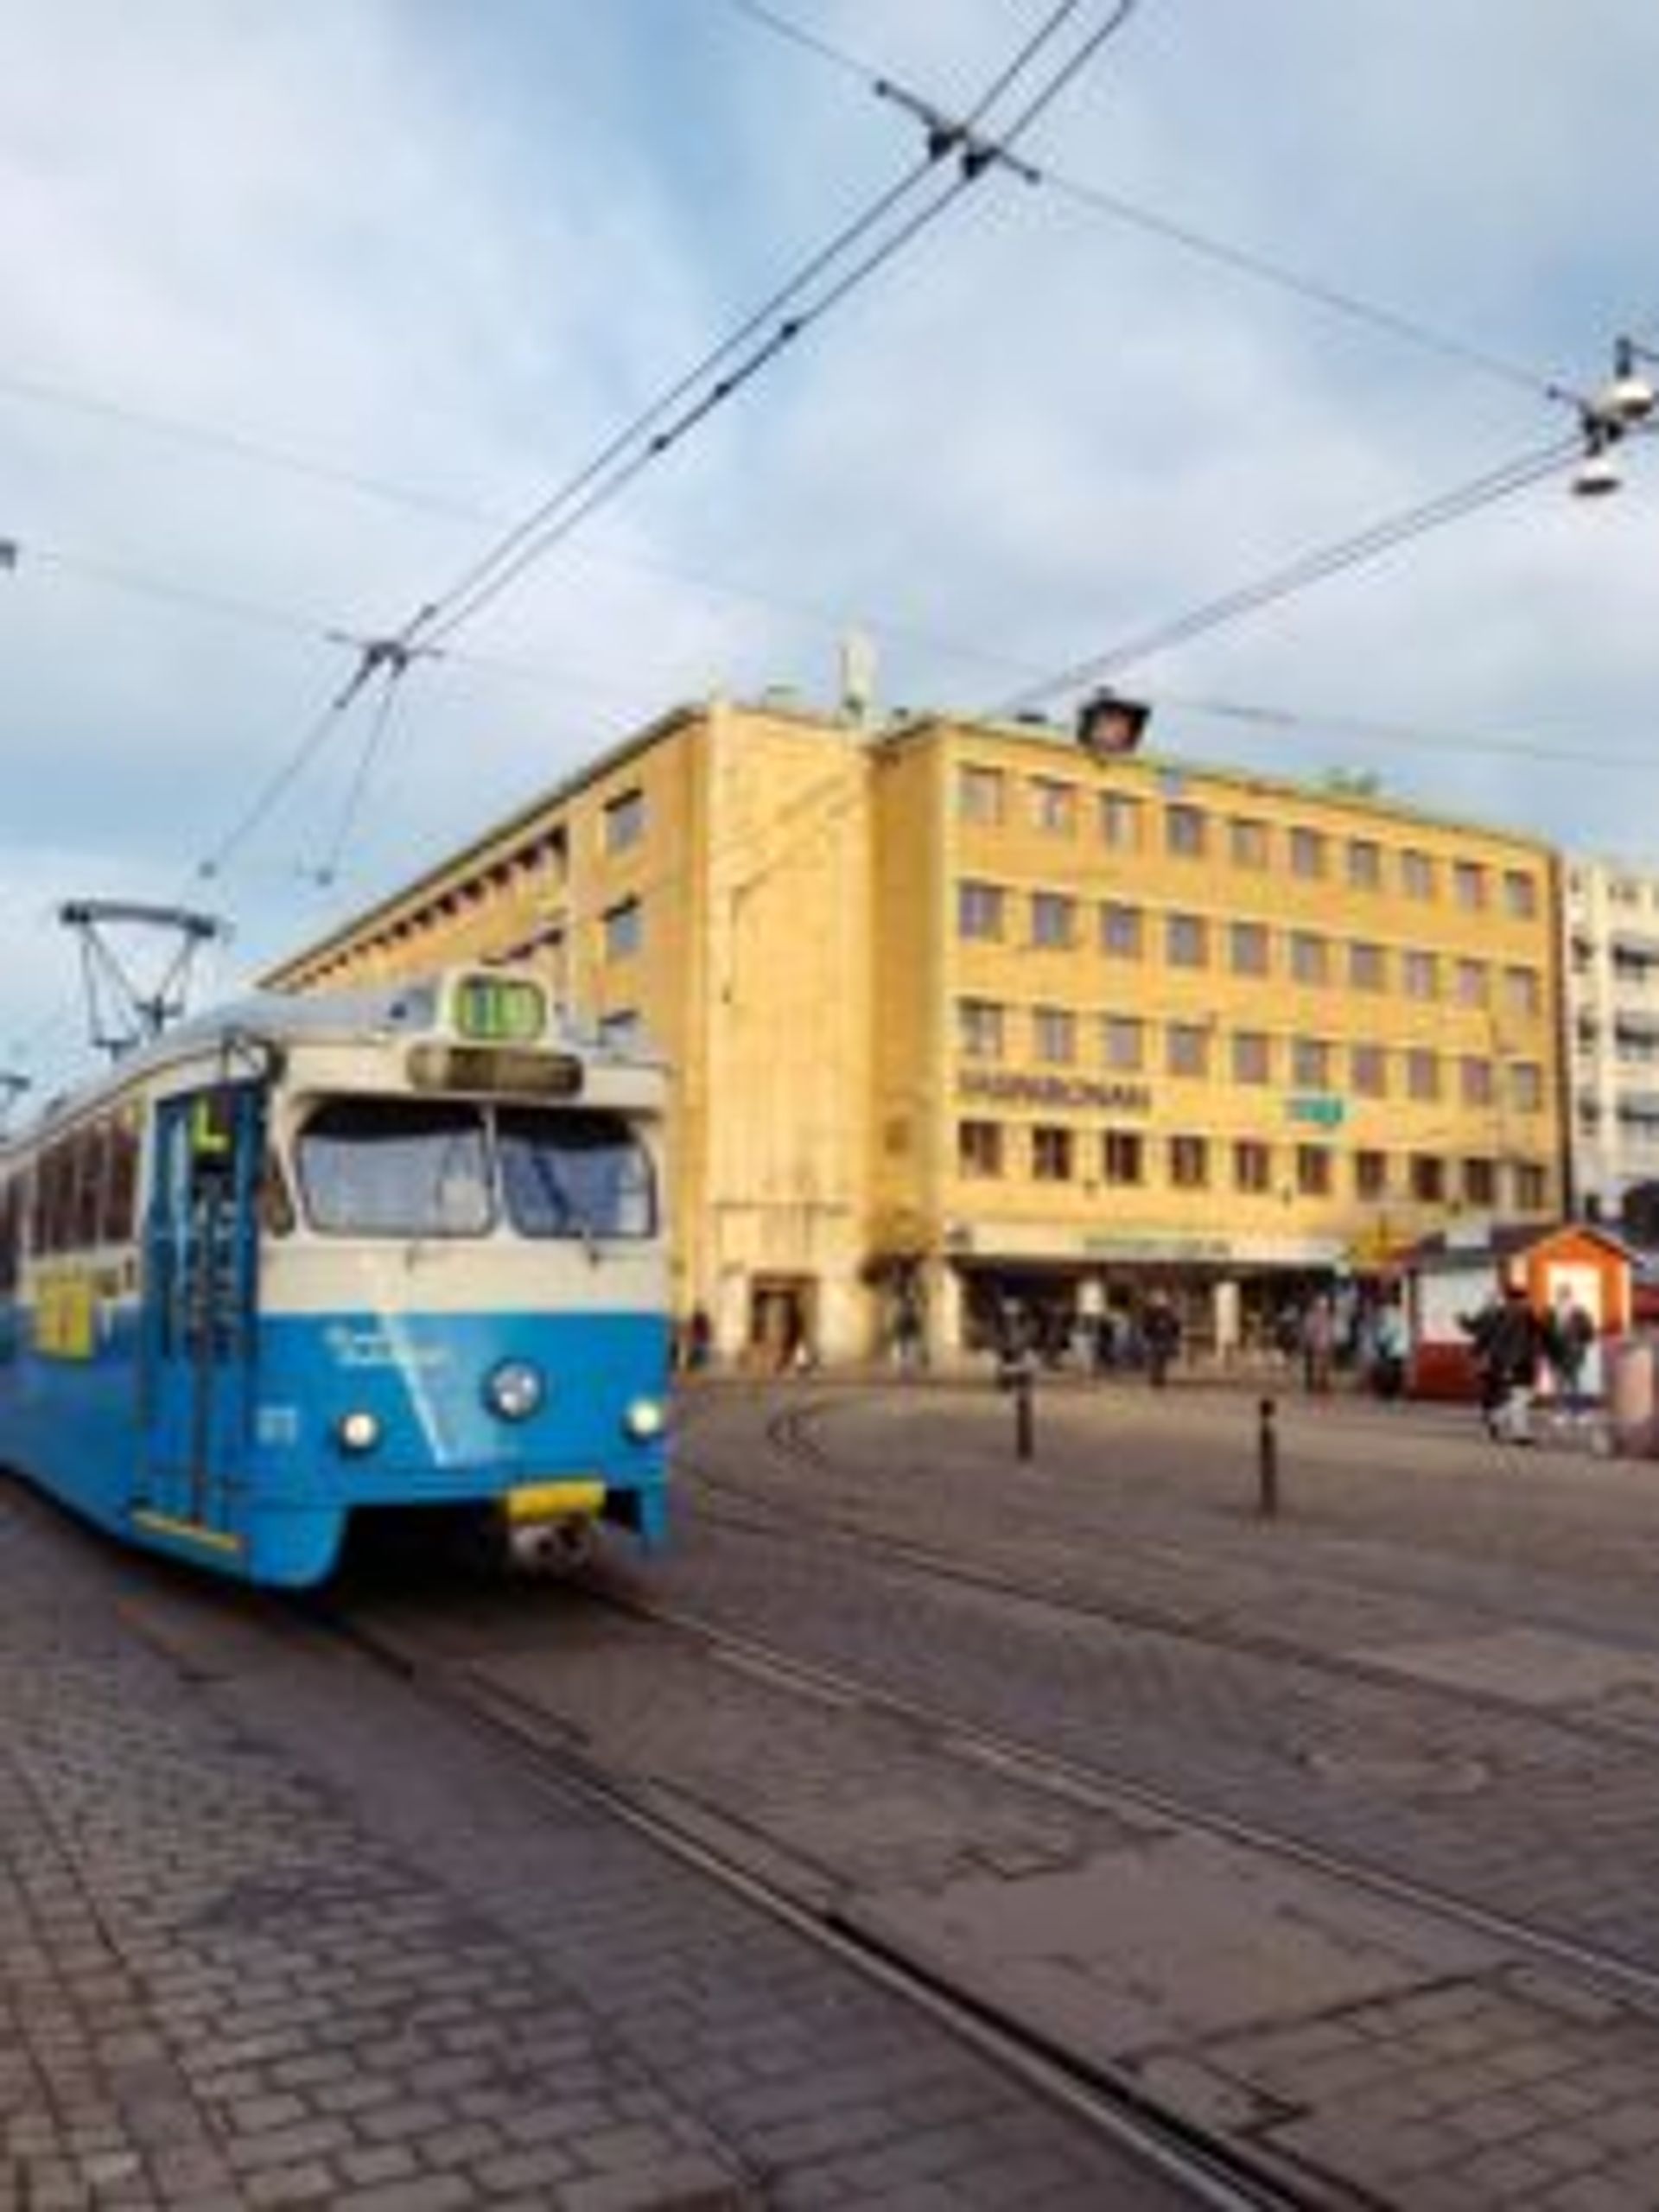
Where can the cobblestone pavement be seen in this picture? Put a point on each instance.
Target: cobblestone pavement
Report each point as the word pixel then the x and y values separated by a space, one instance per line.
pixel 1440 1657
pixel 272 1932
pixel 1441 1660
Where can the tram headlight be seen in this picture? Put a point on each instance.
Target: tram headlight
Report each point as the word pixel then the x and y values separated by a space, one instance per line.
pixel 514 1390
pixel 357 1431
pixel 643 1419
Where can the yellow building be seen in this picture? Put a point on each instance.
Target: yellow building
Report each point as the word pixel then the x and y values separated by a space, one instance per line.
pixel 963 1013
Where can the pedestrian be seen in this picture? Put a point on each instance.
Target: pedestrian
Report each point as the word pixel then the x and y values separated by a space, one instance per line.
pixel 699 1338
pixel 1570 1332
pixel 1389 1344
pixel 1508 1338
pixel 1160 1331
pixel 1318 1341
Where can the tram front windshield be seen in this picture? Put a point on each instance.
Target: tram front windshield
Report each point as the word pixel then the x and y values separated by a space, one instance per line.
pixel 414 1167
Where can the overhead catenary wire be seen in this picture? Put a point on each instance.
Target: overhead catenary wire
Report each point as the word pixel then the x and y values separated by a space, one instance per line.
pixel 1301 575
pixel 123 577
pixel 656 428
pixel 649 435
pixel 1244 261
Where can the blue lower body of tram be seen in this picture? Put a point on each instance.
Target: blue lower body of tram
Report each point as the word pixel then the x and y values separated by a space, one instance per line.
pixel 252 1457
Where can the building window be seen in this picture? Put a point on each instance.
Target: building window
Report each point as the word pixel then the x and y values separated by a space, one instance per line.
pixel 1367 967
pixel 1123 1156
pixel 1471 983
pixel 1427 1178
pixel 1313 1171
pixel 1051 1154
pixel 1252 1166
pixel 1189 1163
pixel 1531 1187
pixel 624 930
pixel 1054 1035
pixel 1307 853
pixel 1053 920
pixel 1364 864
pixel 1477 1081
pixel 1526 1086
pixel 1247 942
pixel 1417 875
pixel 621 1026
pixel 1053 807
pixel 1469 886
pixel 1370 1070
pixel 1183 831
pixel 1124 1040
pixel 1370 1175
pixel 1187 941
pixel 1187 1048
pixel 979 1148
pixel 1252 1057
pixel 1310 1064
pixel 1520 894
pixel 979 1029
pixel 1421 976
pixel 979 912
pixel 980 795
pixel 1423 1072
pixel 1523 994
pixel 1480 1183
pixel 1248 841
pixel 1120 932
pixel 1120 822
pixel 625 821
pixel 1310 957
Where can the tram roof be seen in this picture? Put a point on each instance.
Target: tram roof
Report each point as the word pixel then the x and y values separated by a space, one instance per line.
pixel 363 1013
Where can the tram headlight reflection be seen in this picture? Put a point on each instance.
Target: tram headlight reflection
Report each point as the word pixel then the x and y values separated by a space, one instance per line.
pixel 515 1389
pixel 645 1420
pixel 357 1431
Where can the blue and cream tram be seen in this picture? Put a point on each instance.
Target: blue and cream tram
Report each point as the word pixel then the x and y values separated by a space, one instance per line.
pixel 320 1256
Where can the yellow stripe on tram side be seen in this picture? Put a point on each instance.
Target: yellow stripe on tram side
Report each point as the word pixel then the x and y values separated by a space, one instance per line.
pixel 552 1501
pixel 186 1532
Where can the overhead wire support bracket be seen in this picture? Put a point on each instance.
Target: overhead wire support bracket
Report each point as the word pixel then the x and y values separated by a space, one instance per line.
pixel 394 656
pixel 946 135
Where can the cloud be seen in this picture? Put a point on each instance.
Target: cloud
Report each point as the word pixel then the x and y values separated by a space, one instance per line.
pixel 453 250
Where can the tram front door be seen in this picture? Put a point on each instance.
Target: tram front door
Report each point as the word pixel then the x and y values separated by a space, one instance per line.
pixel 201 1243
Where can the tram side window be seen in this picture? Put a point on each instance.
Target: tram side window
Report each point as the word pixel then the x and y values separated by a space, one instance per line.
pixel 121 1181
pixel 10 1227
pixel 87 1157
pixel 575 1174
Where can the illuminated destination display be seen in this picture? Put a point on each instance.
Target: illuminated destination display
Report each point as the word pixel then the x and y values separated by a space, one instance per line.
pixel 500 1010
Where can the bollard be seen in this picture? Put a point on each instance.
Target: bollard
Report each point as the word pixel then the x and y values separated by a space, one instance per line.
pixel 1266 1500
pixel 1023 1438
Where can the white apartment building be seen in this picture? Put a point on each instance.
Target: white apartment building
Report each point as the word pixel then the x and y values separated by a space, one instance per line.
pixel 1611 920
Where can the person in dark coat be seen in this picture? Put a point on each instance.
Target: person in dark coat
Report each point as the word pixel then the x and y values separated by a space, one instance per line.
pixel 1161 1331
pixel 1509 1342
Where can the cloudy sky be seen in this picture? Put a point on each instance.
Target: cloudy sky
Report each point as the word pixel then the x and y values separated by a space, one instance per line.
pixel 305 305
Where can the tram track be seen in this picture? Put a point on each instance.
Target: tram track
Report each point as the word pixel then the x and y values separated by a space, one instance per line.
pixel 788 1435
pixel 1220 2171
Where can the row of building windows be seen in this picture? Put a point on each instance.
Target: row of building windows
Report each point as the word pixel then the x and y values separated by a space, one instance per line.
pixel 539 865
pixel 1251 1056
pixel 1191 832
pixel 1124 1159
pixel 1197 942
